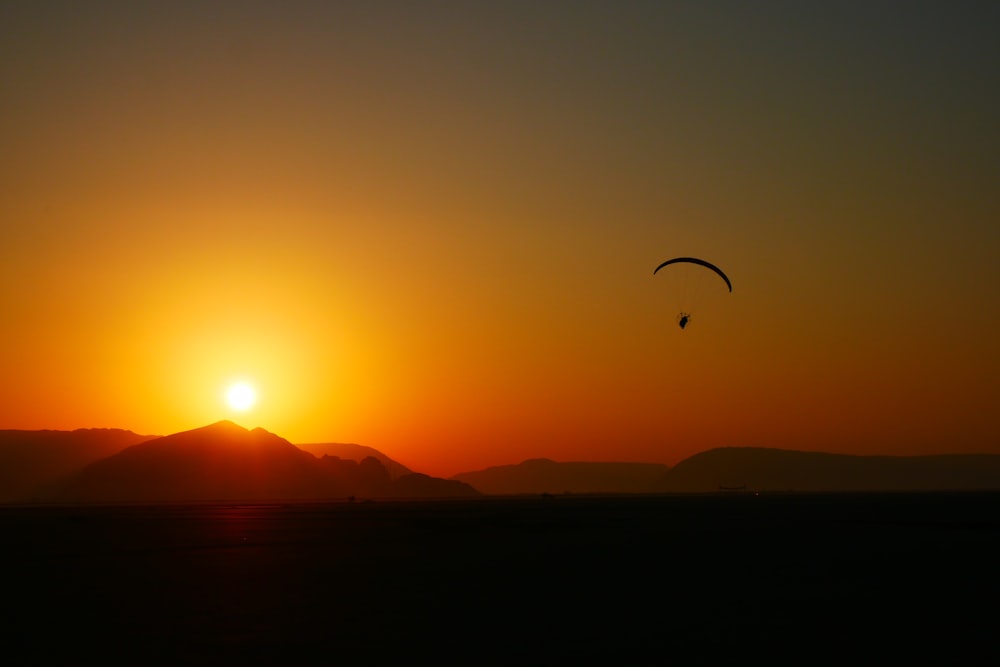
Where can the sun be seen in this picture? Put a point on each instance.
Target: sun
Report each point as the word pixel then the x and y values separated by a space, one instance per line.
pixel 241 396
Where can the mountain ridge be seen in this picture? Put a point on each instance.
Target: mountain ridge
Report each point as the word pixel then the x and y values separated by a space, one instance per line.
pixel 355 452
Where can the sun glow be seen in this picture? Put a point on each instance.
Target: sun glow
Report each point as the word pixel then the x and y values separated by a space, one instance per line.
pixel 241 396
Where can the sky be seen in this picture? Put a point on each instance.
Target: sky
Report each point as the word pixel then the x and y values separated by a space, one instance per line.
pixel 430 227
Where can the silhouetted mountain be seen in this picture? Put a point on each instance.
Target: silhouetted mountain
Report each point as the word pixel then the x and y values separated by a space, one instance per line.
pixel 764 469
pixel 367 477
pixel 545 476
pixel 221 461
pixel 419 485
pixel 32 462
pixel 357 453
pixel 225 461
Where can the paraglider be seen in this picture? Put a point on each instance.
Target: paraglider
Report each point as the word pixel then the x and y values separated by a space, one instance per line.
pixel 686 305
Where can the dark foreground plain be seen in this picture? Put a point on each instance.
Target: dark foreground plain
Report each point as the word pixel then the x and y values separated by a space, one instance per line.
pixel 633 580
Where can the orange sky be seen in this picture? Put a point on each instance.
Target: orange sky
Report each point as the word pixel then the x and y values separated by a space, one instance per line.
pixel 430 228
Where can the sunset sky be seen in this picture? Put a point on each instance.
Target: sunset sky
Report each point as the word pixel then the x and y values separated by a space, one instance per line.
pixel 431 227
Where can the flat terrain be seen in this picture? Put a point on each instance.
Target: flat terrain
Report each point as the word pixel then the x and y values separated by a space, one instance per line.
pixel 773 579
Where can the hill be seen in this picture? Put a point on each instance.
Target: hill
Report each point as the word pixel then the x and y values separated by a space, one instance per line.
pixel 224 461
pixel 352 452
pixel 32 462
pixel 546 476
pixel 764 469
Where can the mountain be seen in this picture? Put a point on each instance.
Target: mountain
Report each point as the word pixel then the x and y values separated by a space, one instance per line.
pixel 32 462
pixel 220 461
pixel 224 461
pixel 546 476
pixel 764 469
pixel 357 453
pixel 419 485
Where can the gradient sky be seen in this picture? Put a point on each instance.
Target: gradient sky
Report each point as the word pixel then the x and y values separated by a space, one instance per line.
pixel 430 227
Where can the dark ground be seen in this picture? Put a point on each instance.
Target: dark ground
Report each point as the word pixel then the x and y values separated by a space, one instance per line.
pixel 634 580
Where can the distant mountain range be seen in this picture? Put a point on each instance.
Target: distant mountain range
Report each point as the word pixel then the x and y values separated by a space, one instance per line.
pixel 224 461
pixel 749 469
pixel 545 476
pixel 763 469
pixel 32 462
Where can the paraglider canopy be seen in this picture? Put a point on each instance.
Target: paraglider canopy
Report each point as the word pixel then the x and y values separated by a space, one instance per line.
pixel 695 260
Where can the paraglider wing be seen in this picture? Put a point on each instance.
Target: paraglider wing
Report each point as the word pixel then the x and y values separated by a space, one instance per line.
pixel 695 260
